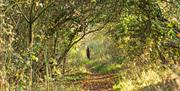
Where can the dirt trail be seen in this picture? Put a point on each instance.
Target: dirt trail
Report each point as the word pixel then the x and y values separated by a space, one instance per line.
pixel 98 82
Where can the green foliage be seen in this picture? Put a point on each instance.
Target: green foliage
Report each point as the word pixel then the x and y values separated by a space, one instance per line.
pixel 44 40
pixel 74 77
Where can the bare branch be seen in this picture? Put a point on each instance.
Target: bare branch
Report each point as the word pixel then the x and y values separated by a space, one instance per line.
pixel 23 14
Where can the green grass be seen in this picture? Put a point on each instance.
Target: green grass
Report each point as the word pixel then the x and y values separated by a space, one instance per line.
pixel 57 86
pixel 103 68
pixel 149 77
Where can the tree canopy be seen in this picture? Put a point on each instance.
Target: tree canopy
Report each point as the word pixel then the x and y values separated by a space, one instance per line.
pixel 41 39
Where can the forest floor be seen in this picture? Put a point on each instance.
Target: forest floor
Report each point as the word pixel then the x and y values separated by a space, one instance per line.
pixel 98 81
pixel 95 81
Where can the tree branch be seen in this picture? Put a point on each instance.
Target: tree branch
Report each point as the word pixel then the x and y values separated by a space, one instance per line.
pixel 42 11
pixel 23 13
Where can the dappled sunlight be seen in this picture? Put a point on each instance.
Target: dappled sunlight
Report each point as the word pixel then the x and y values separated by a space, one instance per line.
pixel 89 45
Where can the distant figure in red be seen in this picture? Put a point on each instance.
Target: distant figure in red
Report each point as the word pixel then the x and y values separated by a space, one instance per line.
pixel 88 53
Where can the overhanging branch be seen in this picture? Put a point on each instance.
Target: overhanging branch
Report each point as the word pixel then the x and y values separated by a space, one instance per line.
pixel 23 14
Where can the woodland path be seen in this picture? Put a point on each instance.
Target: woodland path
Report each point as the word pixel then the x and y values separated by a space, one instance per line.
pixel 98 82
